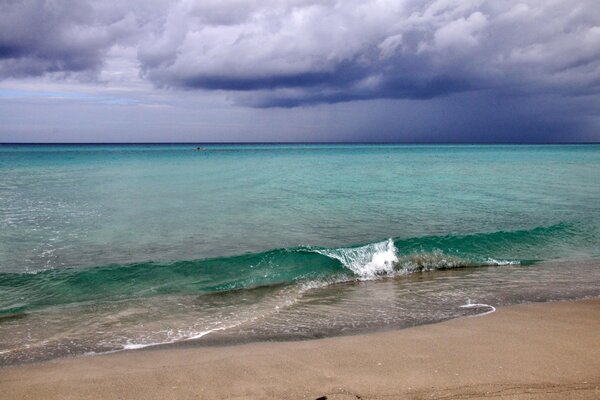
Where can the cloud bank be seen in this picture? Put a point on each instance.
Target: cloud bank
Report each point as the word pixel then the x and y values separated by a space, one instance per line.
pixel 300 70
pixel 302 52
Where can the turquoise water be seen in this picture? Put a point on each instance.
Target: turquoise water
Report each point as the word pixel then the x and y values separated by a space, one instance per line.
pixel 161 243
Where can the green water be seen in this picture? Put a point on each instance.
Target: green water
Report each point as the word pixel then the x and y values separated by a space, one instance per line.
pixel 161 243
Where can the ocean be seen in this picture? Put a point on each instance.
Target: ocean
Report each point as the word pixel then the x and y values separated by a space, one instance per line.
pixel 112 247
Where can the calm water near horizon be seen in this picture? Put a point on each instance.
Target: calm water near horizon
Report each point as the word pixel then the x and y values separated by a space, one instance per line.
pixel 111 247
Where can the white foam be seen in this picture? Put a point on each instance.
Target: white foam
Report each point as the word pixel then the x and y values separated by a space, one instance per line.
pixel 135 346
pixel 492 261
pixel 201 334
pixel 373 260
pixel 181 335
pixel 175 338
pixel 367 261
pixel 479 305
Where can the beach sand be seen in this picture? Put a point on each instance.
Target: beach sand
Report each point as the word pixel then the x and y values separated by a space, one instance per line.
pixel 536 351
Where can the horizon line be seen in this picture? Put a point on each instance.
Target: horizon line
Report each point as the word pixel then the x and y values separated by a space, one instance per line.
pixel 290 143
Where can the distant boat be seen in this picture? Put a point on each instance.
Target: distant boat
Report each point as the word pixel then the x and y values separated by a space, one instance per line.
pixel 200 148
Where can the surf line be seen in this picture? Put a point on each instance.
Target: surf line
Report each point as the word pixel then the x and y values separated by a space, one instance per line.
pixel 479 305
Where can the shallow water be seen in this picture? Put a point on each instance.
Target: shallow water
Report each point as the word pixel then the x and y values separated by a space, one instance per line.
pixel 107 247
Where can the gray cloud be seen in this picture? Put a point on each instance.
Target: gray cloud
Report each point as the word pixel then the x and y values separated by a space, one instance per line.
pixel 305 52
pixel 40 37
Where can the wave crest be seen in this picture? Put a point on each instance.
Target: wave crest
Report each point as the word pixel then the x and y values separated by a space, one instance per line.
pixel 382 258
pixel 367 261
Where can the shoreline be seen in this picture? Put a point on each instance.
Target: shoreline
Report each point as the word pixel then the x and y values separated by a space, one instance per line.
pixel 539 350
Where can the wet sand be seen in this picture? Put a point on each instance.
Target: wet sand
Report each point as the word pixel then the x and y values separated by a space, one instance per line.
pixel 537 351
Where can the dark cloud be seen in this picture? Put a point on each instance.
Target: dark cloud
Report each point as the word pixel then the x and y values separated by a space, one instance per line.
pixel 327 92
pixel 276 56
pixel 305 52
pixel 44 36
pixel 244 83
pixel 294 53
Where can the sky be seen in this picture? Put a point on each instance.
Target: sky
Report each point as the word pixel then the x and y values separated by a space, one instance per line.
pixel 300 70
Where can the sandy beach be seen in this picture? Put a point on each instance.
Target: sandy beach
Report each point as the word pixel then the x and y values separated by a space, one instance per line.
pixel 535 351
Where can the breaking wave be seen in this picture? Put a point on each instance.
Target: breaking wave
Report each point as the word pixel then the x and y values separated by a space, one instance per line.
pixel 20 292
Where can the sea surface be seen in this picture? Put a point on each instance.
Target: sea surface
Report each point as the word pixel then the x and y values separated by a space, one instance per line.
pixel 112 247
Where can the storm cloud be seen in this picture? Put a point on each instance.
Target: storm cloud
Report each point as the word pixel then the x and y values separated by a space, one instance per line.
pixel 290 53
pixel 40 37
pixel 309 52
pixel 532 65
